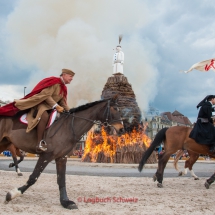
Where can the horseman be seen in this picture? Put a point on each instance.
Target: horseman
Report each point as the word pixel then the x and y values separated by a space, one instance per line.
pixel 48 94
pixel 204 131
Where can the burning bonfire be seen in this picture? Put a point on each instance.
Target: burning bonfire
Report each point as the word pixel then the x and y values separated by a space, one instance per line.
pixel 103 148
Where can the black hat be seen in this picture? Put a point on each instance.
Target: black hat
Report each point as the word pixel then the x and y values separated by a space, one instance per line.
pixel 206 99
pixel 210 97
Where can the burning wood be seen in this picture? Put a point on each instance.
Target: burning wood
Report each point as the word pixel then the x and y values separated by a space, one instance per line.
pixel 128 148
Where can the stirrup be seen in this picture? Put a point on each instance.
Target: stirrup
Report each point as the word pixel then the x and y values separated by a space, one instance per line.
pixel 42 147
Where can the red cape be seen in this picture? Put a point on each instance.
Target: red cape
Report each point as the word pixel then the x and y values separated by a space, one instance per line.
pixel 10 109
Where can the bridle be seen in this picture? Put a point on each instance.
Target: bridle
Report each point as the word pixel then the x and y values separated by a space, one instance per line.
pixel 95 122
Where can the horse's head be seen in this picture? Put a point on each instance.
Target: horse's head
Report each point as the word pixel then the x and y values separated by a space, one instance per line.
pixel 113 123
pixel 106 113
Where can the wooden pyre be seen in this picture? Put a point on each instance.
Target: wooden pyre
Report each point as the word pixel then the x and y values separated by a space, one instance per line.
pixel 131 115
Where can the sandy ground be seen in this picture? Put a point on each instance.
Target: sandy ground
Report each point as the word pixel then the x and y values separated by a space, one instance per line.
pixel 179 195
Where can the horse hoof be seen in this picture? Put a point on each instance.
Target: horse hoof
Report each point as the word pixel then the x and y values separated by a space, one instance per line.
pixel 196 178
pixel 154 178
pixel 12 194
pixel 72 207
pixel 180 174
pixel 207 185
pixel 159 185
pixel 8 198
pixel 69 204
pixel 10 165
pixel 20 174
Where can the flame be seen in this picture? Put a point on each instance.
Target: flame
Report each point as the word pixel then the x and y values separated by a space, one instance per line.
pixel 109 145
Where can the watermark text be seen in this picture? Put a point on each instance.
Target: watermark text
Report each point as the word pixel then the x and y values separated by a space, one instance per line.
pixel 95 200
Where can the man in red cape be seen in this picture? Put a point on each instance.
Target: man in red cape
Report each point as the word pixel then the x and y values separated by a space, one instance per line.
pixel 48 94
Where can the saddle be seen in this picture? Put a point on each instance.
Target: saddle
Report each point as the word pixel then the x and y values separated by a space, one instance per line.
pixel 53 116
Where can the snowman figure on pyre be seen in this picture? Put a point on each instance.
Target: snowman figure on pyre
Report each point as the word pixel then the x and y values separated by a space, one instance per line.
pixel 118 60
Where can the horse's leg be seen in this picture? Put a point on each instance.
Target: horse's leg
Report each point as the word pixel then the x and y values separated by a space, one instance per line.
pixel 12 149
pixel 21 154
pixel 190 162
pixel 188 166
pixel 177 157
pixel 21 158
pixel 210 181
pixel 61 171
pixel 194 175
pixel 184 172
pixel 162 161
pixel 42 162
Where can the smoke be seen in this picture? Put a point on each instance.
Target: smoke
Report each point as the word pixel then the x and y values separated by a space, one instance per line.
pixel 80 35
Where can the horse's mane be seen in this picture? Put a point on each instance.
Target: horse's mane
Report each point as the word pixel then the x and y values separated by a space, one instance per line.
pixel 86 106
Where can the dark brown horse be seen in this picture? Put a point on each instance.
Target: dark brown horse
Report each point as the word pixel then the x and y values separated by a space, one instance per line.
pixel 174 138
pixel 193 157
pixel 14 152
pixel 61 138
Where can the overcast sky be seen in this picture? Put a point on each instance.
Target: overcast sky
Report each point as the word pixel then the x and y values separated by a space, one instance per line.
pixel 160 38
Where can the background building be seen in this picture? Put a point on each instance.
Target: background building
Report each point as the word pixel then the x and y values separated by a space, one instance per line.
pixel 155 121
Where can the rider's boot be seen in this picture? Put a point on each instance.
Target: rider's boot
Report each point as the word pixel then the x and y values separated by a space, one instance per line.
pixel 42 145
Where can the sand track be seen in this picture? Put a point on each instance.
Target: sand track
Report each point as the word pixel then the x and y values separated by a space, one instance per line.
pixel 179 195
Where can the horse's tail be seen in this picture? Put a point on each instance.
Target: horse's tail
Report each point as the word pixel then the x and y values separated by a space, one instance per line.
pixel 160 136
pixel 178 155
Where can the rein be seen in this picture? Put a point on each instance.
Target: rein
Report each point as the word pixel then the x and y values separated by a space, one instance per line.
pixel 95 122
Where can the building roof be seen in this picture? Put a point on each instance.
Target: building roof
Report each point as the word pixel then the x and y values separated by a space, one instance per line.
pixel 177 113
pixel 176 116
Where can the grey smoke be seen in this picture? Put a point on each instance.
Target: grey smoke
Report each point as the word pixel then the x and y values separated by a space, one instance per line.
pixel 81 35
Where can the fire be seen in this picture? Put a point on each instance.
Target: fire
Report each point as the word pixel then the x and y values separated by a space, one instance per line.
pixel 101 144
